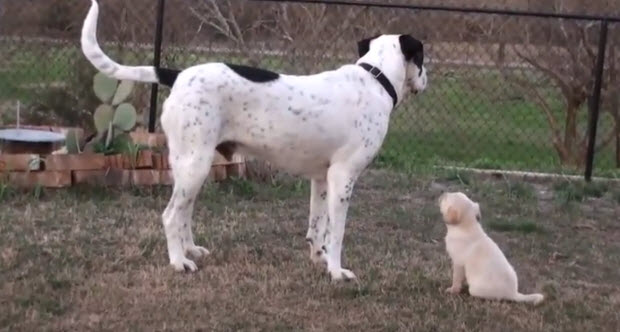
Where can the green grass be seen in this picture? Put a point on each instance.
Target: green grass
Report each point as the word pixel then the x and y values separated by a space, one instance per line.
pixel 474 118
pixel 616 195
pixel 521 190
pixel 578 191
pixel 467 117
pixel 95 259
pixel 524 227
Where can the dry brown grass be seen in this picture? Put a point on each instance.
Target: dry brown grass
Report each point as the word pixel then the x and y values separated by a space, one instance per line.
pixel 90 259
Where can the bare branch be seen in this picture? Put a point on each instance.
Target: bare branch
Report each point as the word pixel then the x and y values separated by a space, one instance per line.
pixel 565 87
pixel 235 25
pixel 584 37
pixel 551 120
pixel 608 139
pixel 215 23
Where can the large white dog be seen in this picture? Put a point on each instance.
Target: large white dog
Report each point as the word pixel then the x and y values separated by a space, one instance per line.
pixel 325 127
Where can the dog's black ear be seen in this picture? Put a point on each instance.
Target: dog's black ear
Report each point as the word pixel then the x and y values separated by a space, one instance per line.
pixel 364 45
pixel 413 49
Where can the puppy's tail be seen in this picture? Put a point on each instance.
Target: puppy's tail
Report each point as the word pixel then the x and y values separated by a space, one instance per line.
pixel 94 54
pixel 531 298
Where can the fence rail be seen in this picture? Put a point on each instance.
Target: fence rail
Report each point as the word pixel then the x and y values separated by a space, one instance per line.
pixel 468 10
pixel 508 89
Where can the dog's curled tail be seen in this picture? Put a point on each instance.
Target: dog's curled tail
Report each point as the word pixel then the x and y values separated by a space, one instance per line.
pixel 92 51
pixel 531 298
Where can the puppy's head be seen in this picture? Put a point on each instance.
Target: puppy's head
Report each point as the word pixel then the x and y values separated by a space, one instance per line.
pixel 456 209
pixel 406 49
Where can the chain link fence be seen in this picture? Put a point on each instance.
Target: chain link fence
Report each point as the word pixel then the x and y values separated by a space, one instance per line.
pixel 505 92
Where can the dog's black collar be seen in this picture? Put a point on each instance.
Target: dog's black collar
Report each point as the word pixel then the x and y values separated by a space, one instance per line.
pixel 385 82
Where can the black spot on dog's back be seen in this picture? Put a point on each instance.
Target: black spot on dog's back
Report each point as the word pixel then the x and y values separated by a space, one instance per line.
pixel 167 76
pixel 256 75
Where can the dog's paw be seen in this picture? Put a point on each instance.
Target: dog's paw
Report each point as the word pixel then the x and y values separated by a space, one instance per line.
pixel 453 290
pixel 318 255
pixel 197 251
pixel 342 274
pixel 539 298
pixel 184 264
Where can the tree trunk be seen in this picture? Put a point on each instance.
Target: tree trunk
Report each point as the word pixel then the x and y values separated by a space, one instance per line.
pixel 617 140
pixel 570 132
pixel 501 53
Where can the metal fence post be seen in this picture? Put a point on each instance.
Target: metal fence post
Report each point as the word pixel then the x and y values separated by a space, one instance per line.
pixel 156 61
pixel 595 103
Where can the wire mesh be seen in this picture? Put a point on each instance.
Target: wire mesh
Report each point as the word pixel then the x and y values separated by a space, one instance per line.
pixel 504 92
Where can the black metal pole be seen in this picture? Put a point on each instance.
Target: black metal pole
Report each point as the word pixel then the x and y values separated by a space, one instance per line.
pixel 156 62
pixel 596 98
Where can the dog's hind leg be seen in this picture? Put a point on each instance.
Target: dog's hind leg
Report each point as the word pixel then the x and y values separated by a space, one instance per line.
pixel 191 143
pixel 189 175
pixel 318 218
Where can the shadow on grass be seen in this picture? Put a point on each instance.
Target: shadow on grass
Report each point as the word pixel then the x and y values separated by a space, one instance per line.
pixel 524 227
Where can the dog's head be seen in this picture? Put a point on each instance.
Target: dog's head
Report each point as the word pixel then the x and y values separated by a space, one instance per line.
pixel 456 208
pixel 406 50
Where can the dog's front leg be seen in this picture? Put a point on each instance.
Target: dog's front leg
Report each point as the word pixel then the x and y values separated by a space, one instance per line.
pixel 317 221
pixel 458 275
pixel 340 183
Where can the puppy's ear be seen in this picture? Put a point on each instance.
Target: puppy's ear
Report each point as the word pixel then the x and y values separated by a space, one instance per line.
pixel 412 49
pixel 363 46
pixel 452 216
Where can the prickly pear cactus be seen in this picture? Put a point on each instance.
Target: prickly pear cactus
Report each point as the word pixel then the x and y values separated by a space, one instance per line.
pixel 114 116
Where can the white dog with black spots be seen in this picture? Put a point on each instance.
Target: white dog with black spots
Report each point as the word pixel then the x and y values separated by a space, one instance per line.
pixel 325 127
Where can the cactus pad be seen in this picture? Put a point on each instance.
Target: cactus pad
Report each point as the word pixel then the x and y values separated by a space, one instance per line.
pixel 125 117
pixel 104 87
pixel 103 116
pixel 122 92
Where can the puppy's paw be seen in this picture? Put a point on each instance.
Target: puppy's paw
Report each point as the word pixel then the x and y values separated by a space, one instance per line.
pixel 453 290
pixel 538 299
pixel 183 264
pixel 197 251
pixel 342 274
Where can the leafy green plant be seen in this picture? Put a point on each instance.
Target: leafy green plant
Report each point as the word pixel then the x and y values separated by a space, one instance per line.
pixel 72 142
pixel 115 117
pixel 37 191
pixel 132 151
pixel 578 191
pixel 118 145
pixel 5 190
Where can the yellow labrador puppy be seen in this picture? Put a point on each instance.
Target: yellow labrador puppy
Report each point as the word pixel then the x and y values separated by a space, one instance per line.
pixel 475 257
